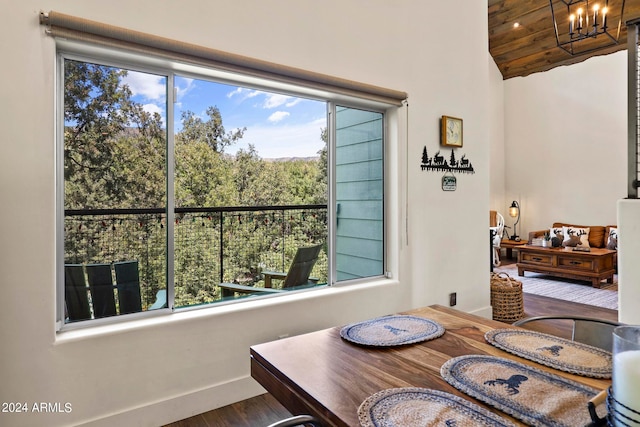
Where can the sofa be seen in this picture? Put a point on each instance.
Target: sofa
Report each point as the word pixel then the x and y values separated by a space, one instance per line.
pixel 598 236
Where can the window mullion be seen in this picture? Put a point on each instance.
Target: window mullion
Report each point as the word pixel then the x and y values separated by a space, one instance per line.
pixel 171 200
pixel 332 211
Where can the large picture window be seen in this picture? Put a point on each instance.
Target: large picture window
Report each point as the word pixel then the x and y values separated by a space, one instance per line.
pixel 181 190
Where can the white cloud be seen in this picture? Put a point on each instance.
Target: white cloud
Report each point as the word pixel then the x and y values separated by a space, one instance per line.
pixel 275 100
pixel 278 115
pixel 273 142
pixel 182 91
pixel 153 108
pixel 149 86
pixel 244 93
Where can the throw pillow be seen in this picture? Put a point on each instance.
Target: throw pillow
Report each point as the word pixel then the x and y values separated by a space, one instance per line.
pixel 612 242
pixel 556 232
pixel 574 236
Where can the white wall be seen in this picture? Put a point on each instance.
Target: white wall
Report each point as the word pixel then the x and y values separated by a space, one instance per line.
pixel 497 200
pixel 629 270
pixel 163 369
pixel 565 143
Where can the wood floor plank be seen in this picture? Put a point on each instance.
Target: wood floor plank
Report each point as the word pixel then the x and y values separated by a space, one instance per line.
pixel 258 411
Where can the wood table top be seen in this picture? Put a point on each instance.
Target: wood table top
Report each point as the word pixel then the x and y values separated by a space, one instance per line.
pixel 323 375
pixel 568 251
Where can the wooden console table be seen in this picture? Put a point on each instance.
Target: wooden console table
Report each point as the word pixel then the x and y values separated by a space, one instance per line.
pixel 509 245
pixel 594 266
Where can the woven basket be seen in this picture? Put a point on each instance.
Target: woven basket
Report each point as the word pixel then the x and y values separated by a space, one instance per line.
pixel 506 298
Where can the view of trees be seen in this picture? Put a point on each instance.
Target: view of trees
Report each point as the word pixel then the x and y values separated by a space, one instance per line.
pixel 115 157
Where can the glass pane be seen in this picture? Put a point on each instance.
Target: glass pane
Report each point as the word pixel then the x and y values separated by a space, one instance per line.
pixel 115 148
pixel 250 187
pixel 359 194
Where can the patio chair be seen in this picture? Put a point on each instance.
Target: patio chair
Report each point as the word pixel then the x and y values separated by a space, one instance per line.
pixel 75 293
pixel 128 284
pixel 298 420
pixel 101 288
pixel 297 276
pixel 161 300
pixel 586 330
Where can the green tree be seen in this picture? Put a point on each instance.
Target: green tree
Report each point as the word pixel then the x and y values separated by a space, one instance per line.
pixel 114 151
pixel 210 131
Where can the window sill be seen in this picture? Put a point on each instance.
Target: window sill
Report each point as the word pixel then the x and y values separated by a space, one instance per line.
pixel 165 316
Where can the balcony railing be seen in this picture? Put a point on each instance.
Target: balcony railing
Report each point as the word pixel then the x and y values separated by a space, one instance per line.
pixel 211 245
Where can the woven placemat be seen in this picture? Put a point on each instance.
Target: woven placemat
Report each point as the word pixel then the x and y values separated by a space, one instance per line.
pixel 392 330
pixel 558 353
pixel 413 406
pixel 534 396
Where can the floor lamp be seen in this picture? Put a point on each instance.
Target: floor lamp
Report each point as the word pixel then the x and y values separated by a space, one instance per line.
pixel 514 212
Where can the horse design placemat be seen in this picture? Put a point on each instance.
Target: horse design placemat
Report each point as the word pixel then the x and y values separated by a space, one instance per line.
pixel 392 330
pixel 558 353
pixel 534 396
pixel 413 406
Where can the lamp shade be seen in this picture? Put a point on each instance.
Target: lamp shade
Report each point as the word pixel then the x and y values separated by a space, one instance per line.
pixel 514 209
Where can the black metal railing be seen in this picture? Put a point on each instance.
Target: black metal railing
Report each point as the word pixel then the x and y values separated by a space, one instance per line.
pixel 211 245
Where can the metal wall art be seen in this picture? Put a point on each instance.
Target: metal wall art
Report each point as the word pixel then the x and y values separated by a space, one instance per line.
pixel 439 164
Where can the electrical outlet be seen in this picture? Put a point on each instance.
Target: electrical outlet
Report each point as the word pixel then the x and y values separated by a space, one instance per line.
pixel 452 299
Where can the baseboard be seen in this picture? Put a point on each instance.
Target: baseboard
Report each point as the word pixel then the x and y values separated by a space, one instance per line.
pixel 180 407
pixel 486 312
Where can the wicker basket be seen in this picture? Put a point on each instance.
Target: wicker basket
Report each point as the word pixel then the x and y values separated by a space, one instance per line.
pixel 506 298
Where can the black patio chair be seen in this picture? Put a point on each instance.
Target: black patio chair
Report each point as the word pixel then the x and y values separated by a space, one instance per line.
pixel 128 285
pixel 101 288
pixel 75 293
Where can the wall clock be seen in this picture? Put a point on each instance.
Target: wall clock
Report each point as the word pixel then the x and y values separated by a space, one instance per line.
pixel 451 131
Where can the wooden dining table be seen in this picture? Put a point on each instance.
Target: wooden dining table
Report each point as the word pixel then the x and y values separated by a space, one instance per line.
pixel 323 375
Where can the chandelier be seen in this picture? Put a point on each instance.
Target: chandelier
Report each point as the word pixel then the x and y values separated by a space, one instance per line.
pixel 583 26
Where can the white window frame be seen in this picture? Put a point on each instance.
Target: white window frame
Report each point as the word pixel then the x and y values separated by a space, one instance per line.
pixel 160 66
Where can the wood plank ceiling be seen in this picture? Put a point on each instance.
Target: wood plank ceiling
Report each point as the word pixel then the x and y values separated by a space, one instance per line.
pixel 532 47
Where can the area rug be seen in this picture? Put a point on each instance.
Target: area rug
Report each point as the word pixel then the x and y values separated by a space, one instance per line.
pixel 565 289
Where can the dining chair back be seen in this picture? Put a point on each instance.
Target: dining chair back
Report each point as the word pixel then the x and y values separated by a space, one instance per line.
pixel 298 420
pixel 586 330
pixel 101 288
pixel 75 293
pixel 496 223
pixel 128 285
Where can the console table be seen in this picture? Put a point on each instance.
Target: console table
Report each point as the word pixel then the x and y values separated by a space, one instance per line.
pixel 509 245
pixel 594 266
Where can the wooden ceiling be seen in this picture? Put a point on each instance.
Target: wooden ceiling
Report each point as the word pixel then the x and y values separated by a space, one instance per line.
pixel 532 47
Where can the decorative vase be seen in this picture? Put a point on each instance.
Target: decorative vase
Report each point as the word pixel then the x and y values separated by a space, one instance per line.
pixel 546 243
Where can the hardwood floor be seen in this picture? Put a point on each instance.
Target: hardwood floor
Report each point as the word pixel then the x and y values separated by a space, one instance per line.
pixel 258 411
pixel 264 409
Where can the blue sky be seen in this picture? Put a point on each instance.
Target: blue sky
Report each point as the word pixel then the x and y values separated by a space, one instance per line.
pixel 277 125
